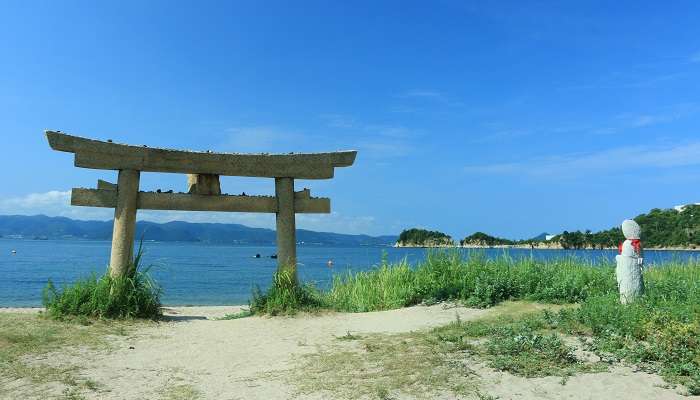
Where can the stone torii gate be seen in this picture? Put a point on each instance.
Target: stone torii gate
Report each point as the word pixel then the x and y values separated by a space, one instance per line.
pixel 204 193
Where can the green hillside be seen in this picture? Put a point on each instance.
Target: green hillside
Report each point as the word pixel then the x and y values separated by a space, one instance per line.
pixel 423 238
pixel 482 239
pixel 660 228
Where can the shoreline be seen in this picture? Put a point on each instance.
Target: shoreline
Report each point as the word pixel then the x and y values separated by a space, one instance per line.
pixel 167 309
pixel 527 247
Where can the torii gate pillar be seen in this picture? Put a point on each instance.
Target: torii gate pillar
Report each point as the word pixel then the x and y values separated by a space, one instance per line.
pixel 124 222
pixel 286 227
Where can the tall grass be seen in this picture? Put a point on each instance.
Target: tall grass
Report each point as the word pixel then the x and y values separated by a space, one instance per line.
pixel 285 296
pixel 134 295
pixel 383 288
pixel 477 281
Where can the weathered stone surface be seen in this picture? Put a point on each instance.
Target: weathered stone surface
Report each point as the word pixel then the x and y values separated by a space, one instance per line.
pixel 205 184
pixel 192 202
pixel 629 264
pixel 104 185
pixel 286 227
pixel 631 229
pixel 106 155
pixel 124 223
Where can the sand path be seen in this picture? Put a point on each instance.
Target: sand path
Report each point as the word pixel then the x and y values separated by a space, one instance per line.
pixel 192 353
pixel 239 359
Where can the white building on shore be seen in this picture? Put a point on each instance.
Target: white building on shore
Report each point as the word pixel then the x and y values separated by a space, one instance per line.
pixel 681 208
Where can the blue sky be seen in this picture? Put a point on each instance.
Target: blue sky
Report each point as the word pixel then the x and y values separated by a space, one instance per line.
pixel 512 118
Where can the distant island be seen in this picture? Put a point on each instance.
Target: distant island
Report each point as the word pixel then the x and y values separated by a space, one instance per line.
pixel 674 229
pixel 423 238
pixel 41 227
pixel 480 239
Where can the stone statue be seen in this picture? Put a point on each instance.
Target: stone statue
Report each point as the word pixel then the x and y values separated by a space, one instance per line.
pixel 629 263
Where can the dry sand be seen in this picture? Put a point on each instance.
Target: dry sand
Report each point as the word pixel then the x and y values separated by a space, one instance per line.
pixel 192 353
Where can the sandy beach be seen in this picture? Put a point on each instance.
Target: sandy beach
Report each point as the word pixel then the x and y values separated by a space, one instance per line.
pixel 195 355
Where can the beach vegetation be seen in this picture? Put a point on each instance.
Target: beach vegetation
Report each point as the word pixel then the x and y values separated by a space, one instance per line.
pixel 285 296
pixel 475 280
pixel 133 295
pixel 660 332
pixel 237 315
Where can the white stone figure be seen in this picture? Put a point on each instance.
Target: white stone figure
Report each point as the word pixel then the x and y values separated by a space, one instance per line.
pixel 629 263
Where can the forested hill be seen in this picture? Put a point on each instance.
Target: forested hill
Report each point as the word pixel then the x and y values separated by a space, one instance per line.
pixel 481 239
pixel 43 227
pixel 660 228
pixel 423 238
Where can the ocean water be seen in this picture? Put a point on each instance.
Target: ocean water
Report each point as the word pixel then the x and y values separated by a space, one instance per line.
pixel 205 274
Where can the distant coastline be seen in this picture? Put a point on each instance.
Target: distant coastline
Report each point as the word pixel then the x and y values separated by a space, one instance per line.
pixel 534 246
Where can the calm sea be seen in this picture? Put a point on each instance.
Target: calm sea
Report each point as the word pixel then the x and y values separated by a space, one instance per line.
pixel 204 274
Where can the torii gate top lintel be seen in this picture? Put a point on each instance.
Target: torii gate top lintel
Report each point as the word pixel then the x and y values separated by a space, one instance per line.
pixel 97 154
pixel 204 193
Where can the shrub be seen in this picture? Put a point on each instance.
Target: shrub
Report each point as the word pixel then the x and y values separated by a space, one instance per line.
pixel 134 295
pixel 285 297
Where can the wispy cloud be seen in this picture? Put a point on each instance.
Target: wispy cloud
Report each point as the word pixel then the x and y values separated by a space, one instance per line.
pixel 374 140
pixel 339 121
pixel 433 96
pixel 262 138
pixel 426 94
pixel 695 58
pixel 57 204
pixel 617 80
pixel 627 158
pixel 423 100
pixel 616 124
pixel 53 203
pixel 663 115
pixel 337 222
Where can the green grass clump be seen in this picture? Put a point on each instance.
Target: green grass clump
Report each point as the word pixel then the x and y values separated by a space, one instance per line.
pixel 285 297
pixel 477 281
pixel 236 315
pixel 134 295
pixel 524 345
pixel 383 288
pixel 528 353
